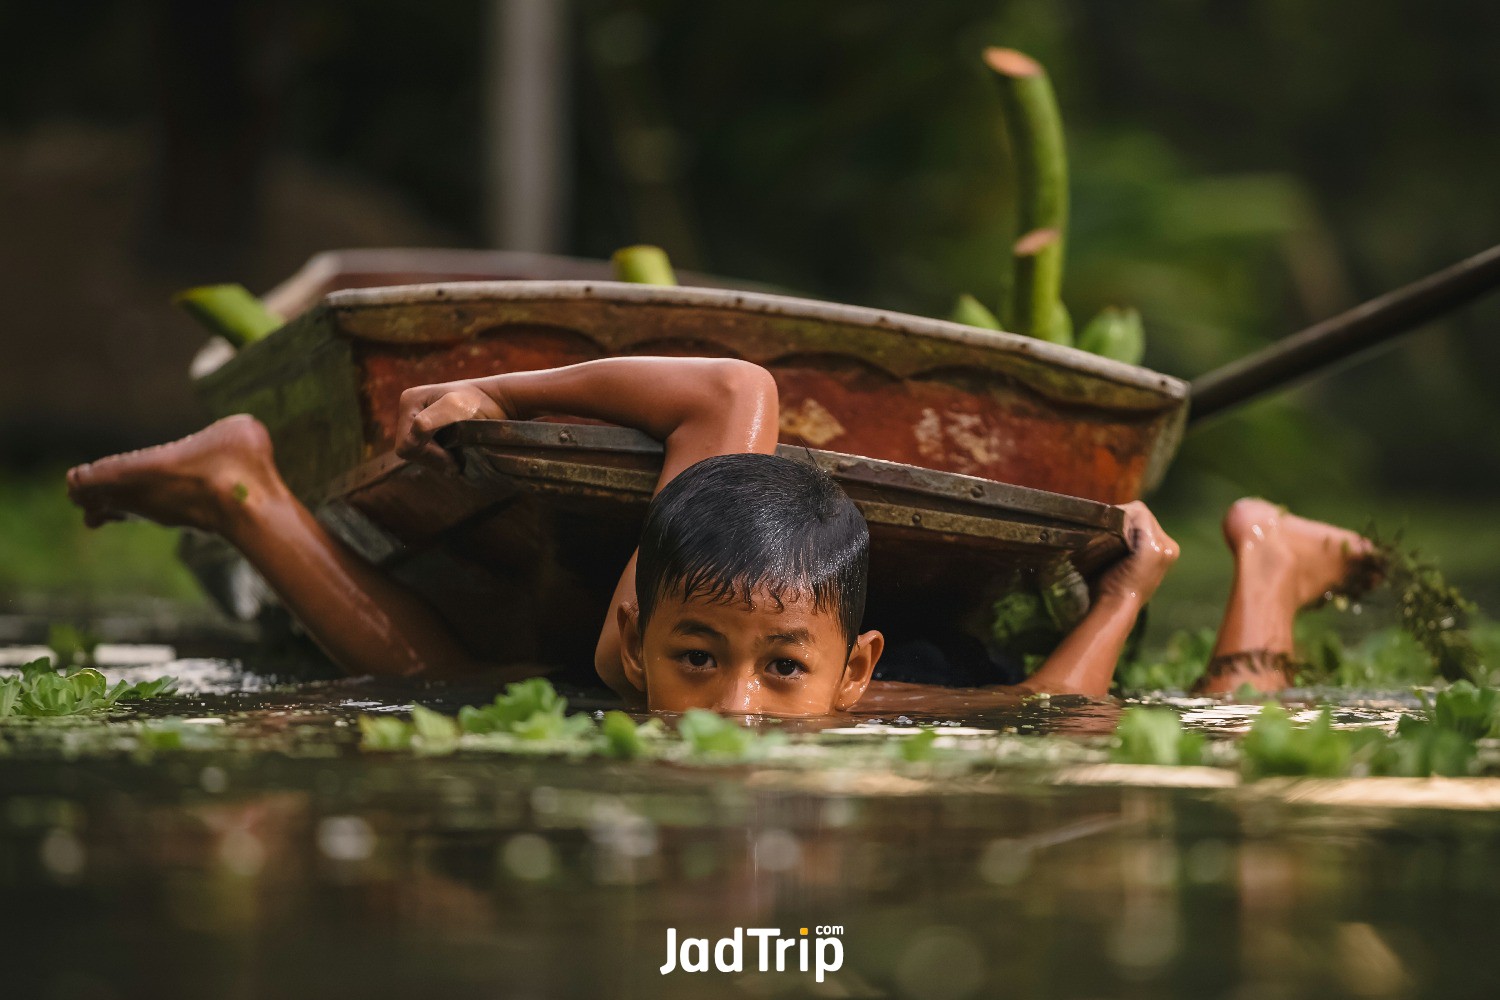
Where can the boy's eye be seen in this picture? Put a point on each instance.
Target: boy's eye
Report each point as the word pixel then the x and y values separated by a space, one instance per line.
pixel 697 658
pixel 786 668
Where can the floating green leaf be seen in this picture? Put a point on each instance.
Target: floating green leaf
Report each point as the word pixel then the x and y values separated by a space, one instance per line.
pixel 918 747
pixel 1275 746
pixel 523 705
pixel 622 737
pixel 1470 711
pixel 433 733
pixel 1155 736
pixel 384 732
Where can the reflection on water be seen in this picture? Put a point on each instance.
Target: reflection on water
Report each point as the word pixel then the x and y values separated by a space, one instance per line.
pixel 277 860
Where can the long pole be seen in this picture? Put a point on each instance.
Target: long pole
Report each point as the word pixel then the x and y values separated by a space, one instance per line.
pixel 1344 336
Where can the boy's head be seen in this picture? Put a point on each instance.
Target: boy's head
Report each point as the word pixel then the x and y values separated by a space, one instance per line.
pixel 750 587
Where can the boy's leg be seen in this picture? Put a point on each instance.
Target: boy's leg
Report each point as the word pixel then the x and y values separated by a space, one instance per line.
pixel 223 480
pixel 1282 563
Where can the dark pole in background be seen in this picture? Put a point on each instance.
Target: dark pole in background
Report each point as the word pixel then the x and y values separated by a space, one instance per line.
pixel 1345 336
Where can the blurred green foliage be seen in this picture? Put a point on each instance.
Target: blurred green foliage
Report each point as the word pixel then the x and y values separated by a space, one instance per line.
pixel 1240 169
pixel 46 551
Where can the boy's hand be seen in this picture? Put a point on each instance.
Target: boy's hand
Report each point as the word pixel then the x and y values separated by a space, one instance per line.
pixel 1152 553
pixel 427 408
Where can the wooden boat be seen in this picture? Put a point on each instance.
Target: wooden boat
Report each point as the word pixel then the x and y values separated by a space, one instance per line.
pixel 976 456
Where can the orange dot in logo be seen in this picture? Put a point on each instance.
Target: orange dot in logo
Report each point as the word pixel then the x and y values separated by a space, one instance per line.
pixel 804 930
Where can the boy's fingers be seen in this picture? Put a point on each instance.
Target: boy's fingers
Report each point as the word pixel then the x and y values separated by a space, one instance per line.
pixel 413 402
pixel 418 445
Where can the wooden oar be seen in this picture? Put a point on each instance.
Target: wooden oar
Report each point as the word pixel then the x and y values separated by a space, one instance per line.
pixel 1344 336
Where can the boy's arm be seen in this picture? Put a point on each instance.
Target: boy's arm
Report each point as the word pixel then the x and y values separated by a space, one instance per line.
pixel 1085 661
pixel 697 407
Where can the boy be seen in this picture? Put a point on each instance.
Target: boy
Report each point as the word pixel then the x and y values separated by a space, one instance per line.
pixel 747 592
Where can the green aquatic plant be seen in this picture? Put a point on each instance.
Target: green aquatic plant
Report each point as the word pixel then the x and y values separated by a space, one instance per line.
pixel 1445 743
pixel 531 709
pixel 385 732
pixel 1177 668
pixel 708 734
pixel 531 714
pixel 1384 659
pixel 176 734
pixel 433 732
pixel 1431 609
pixel 40 691
pixel 627 740
pixel 1276 746
pixel 1155 736
pixel 919 747
pixel 71 646
pixel 1472 712
pixel 1421 748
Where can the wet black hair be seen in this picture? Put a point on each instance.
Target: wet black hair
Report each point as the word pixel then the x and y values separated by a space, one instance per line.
pixel 734 524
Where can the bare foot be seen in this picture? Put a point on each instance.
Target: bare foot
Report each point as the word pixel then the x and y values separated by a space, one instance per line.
pixel 190 483
pixel 1305 561
pixel 1282 563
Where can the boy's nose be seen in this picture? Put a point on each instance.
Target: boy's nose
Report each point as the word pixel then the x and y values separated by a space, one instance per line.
pixel 740 695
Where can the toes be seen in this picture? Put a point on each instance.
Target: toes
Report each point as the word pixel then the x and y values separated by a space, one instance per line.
pixel 98 518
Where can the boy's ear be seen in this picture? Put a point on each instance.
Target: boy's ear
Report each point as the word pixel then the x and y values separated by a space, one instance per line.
pixel 859 670
pixel 632 659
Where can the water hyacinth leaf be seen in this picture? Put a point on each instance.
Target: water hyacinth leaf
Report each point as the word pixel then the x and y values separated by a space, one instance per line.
pixel 167 734
pixel 384 732
pixel 1470 711
pixel 519 703
pixel 622 737
pixel 1155 736
pixel 433 733
pixel 919 747
pixel 40 690
pixel 1421 749
pixel 1276 746
pixel 160 688
pixel 708 734
pixel 10 695
pixel 552 726
pixel 33 669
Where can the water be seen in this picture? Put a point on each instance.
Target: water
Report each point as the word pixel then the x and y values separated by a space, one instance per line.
pixel 274 858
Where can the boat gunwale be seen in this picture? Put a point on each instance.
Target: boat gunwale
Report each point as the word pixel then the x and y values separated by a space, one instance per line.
pixel 874 473
pixel 929 501
pixel 1173 392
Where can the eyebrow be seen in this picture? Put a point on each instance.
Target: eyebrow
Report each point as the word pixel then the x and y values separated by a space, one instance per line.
pixel 691 626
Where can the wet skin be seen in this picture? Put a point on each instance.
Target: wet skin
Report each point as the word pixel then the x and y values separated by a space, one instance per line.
pixel 755 656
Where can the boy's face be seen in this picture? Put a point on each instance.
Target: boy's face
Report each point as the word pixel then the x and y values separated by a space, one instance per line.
pixel 760 658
